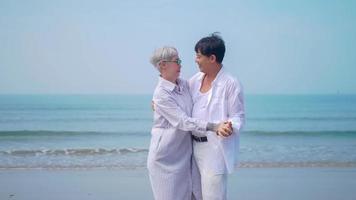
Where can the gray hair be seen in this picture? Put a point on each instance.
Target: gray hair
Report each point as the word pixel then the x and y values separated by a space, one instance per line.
pixel 161 54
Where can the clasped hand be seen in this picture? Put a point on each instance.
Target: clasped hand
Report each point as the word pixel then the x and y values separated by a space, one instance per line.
pixel 224 129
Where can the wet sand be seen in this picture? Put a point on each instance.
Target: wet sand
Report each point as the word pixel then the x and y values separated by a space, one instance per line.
pixel 110 184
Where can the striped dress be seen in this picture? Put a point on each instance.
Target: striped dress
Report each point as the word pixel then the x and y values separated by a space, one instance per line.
pixel 170 153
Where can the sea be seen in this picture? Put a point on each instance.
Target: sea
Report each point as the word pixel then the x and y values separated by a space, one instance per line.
pixel 113 131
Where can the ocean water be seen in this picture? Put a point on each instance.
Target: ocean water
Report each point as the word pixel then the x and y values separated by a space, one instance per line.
pixel 113 131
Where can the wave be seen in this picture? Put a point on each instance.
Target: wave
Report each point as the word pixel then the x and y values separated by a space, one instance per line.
pixel 328 164
pixel 71 152
pixel 319 118
pixel 72 107
pixel 149 118
pixel 140 166
pixel 348 133
pixel 49 133
pixel 77 119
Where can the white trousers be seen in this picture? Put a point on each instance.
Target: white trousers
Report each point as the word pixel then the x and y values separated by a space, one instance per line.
pixel 213 185
pixel 171 186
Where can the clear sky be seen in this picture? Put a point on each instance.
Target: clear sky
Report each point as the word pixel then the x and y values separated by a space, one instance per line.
pixel 84 46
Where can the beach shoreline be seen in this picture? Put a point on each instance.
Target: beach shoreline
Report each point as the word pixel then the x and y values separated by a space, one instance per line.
pixel 107 184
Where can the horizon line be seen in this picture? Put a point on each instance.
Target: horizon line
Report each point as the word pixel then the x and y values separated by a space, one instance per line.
pixel 3 94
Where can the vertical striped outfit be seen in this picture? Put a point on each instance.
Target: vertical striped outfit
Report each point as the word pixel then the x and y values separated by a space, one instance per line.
pixel 170 153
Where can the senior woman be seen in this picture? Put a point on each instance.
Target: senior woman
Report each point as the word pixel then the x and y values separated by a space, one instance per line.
pixel 170 153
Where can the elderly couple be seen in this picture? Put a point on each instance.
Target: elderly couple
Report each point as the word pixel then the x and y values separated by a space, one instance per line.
pixel 196 125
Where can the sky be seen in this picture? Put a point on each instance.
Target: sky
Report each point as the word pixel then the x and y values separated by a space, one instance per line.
pixel 103 47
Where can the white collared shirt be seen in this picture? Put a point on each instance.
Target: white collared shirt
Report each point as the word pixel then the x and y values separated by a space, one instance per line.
pixel 173 107
pixel 171 144
pixel 224 103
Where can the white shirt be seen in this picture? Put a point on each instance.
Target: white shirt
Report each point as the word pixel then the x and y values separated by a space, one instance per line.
pixel 171 144
pixel 224 103
pixel 201 149
pixel 200 110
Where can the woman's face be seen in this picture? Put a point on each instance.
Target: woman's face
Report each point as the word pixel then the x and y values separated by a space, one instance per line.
pixel 171 69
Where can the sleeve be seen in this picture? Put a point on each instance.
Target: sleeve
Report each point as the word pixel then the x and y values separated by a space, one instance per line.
pixel 166 106
pixel 236 108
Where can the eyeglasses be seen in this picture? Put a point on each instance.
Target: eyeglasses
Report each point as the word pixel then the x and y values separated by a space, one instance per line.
pixel 178 61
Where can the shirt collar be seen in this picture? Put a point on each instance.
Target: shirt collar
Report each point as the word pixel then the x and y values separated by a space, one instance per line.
pixel 218 76
pixel 169 85
pixel 220 73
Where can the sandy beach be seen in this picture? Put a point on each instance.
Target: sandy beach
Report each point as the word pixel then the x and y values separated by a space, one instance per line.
pixel 110 184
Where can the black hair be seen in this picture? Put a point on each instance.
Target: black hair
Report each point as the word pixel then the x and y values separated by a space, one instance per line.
pixel 211 45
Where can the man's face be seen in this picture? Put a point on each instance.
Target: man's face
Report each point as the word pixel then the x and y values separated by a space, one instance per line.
pixel 202 61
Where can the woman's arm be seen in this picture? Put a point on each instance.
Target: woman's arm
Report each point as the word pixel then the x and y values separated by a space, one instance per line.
pixel 166 106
